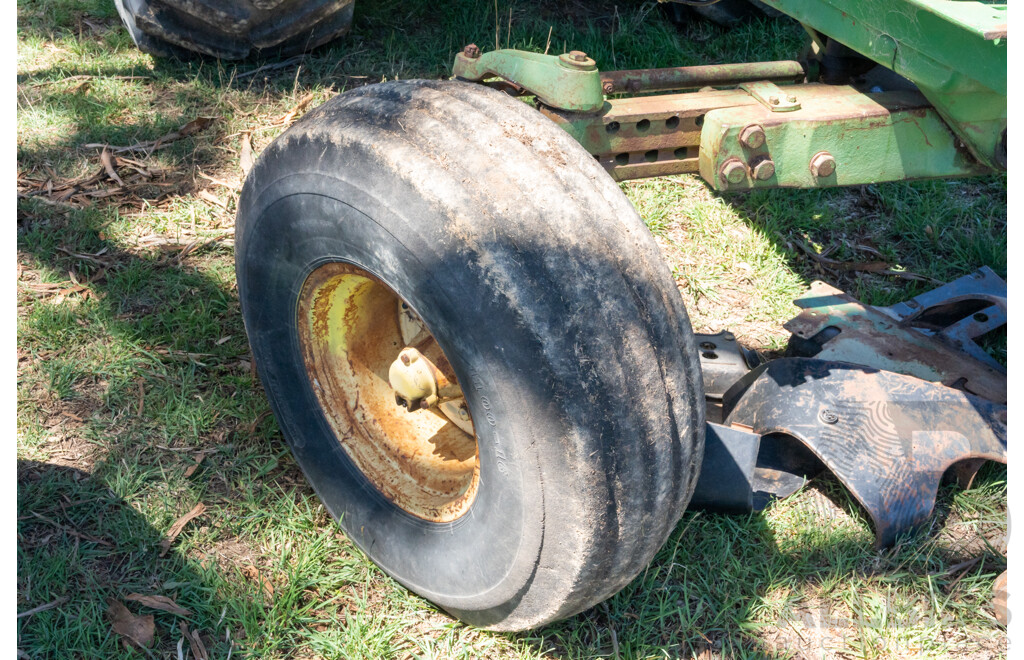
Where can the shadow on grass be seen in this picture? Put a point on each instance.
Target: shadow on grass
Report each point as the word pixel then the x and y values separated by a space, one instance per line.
pixel 730 586
pixel 79 544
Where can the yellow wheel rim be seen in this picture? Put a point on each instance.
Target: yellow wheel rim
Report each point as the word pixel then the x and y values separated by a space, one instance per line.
pixel 350 330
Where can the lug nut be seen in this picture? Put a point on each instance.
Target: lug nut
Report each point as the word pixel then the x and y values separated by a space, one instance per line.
pixel 823 164
pixel 577 56
pixel 752 137
pixel 764 170
pixel 472 51
pixel 733 171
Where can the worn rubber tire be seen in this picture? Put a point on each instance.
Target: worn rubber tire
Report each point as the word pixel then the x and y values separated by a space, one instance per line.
pixel 233 29
pixel 727 13
pixel 546 292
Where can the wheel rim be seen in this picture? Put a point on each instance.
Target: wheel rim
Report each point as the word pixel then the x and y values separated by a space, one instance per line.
pixel 350 331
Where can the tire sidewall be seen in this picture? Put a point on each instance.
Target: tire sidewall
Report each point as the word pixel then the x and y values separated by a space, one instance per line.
pixel 480 562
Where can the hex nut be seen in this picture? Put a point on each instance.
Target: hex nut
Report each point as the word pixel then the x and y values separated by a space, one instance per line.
pixel 472 51
pixel 577 59
pixel 764 170
pixel 823 164
pixel 733 171
pixel 752 136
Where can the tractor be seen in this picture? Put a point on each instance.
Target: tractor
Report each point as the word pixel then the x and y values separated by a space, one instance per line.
pixel 487 373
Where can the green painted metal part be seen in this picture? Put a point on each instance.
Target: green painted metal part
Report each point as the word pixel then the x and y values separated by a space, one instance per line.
pixel 870 138
pixel 570 81
pixel 953 50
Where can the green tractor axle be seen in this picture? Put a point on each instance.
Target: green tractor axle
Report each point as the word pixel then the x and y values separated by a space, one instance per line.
pixel 759 125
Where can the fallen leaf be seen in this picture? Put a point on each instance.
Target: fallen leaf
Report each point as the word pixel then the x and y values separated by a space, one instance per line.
pixel 194 642
pixel 245 158
pixel 162 603
pixel 192 468
pixel 222 340
pixel 213 199
pixel 108 165
pixel 256 576
pixel 138 629
pixel 195 126
pixel 179 525
pixel 289 116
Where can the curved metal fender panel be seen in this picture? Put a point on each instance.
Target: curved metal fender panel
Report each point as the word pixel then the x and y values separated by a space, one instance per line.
pixel 888 437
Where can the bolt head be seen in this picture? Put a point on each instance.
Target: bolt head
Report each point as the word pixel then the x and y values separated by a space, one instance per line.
pixel 733 171
pixel 752 137
pixel 774 100
pixel 577 59
pixel 608 87
pixel 828 416
pixel 764 170
pixel 404 357
pixel 823 164
pixel 471 51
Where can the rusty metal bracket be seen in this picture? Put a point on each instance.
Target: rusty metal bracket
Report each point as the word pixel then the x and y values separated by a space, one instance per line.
pixel 887 437
pixel 958 313
pixel 918 337
pixel 569 81
pixel 723 361
pixel 771 96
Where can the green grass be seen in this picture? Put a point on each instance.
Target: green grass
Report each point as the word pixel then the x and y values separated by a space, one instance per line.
pixel 120 390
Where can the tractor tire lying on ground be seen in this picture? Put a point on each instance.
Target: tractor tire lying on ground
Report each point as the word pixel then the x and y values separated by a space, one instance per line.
pixel 453 218
pixel 233 29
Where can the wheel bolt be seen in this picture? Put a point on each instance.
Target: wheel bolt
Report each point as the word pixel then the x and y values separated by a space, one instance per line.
pixel 752 137
pixel 823 164
pixel 764 170
pixel 733 171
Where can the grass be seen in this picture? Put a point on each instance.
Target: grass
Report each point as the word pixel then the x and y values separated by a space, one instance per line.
pixel 126 383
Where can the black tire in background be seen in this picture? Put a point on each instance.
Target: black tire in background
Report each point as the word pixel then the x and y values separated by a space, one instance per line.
pixel 548 296
pixel 233 29
pixel 727 13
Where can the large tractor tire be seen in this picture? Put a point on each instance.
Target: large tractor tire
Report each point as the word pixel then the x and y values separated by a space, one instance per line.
pixel 233 29
pixel 727 13
pixel 452 219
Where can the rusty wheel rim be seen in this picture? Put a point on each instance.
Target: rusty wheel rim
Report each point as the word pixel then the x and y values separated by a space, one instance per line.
pixel 350 331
